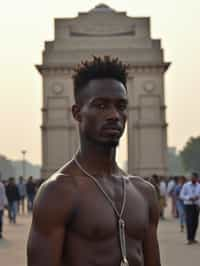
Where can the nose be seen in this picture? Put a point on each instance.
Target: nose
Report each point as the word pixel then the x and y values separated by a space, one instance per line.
pixel 113 114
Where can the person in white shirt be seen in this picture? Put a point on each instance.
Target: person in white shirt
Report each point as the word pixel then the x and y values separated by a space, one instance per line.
pixel 190 194
pixel 3 203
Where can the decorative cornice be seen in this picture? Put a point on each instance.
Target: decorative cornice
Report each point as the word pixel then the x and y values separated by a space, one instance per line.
pixel 55 69
pixel 132 69
pixel 148 68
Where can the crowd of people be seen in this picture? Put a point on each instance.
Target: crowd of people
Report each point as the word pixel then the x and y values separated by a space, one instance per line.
pixel 17 196
pixel 183 195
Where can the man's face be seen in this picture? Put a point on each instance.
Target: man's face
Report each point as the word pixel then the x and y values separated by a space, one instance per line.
pixel 194 179
pixel 11 181
pixel 103 112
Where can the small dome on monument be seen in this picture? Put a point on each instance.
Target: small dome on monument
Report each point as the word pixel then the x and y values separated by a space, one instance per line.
pixel 102 8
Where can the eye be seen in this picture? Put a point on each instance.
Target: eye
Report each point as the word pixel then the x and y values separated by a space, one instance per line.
pixel 101 106
pixel 122 106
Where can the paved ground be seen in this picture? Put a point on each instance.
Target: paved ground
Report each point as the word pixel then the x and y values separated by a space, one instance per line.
pixel 173 248
pixel 174 251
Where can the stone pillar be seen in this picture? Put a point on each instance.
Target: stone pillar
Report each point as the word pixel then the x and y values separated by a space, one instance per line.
pixel 147 141
pixel 59 132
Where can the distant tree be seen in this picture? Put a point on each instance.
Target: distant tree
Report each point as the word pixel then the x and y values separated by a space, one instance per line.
pixel 175 165
pixel 190 155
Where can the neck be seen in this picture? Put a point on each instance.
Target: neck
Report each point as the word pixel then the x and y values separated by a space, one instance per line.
pixel 98 160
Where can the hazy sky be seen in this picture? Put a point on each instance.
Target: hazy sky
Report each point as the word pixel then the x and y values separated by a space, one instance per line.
pixel 25 25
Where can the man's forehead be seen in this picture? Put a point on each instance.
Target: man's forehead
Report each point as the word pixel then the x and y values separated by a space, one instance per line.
pixel 106 88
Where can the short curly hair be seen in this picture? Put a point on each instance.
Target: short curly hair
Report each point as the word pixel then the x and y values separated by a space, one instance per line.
pixel 98 68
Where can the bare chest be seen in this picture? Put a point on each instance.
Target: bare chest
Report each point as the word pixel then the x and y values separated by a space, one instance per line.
pixel 96 218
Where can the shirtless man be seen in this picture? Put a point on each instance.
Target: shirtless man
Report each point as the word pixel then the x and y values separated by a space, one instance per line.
pixel 90 212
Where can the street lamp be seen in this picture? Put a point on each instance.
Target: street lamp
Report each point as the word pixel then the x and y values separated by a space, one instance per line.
pixel 23 162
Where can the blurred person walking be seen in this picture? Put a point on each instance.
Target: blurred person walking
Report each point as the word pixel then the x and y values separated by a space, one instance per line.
pixel 179 202
pixel 3 204
pixel 22 194
pixel 170 191
pixel 13 197
pixel 190 194
pixel 163 196
pixel 31 191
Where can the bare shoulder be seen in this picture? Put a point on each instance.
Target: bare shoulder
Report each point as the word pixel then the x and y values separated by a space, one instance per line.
pixel 57 197
pixel 142 184
pixel 148 192
pixel 145 188
pixel 56 187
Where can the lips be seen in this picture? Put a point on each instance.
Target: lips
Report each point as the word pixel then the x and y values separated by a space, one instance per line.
pixel 112 129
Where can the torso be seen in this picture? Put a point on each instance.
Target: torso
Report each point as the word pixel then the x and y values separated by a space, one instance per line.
pixel 92 234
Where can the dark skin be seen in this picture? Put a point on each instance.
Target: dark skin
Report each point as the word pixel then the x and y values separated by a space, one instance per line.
pixel 73 223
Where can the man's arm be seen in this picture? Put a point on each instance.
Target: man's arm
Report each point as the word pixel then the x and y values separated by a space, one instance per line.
pixel 53 208
pixel 150 244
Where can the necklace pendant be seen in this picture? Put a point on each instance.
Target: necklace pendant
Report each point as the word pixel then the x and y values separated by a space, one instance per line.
pixel 124 262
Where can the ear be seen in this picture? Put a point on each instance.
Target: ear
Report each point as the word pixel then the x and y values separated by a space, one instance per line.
pixel 76 112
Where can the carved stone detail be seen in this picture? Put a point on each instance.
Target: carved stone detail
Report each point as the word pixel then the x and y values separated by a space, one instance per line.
pixel 149 86
pixel 57 88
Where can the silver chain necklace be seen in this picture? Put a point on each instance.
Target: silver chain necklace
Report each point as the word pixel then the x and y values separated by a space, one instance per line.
pixel 121 222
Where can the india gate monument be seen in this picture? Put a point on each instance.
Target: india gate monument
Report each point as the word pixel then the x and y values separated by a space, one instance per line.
pixel 105 31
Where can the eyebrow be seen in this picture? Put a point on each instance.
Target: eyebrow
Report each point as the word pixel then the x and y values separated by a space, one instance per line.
pixel 125 100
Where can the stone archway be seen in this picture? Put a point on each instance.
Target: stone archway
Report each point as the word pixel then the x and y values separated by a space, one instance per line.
pixel 104 31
